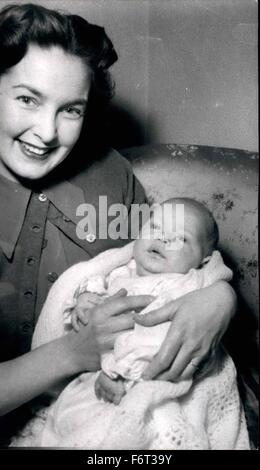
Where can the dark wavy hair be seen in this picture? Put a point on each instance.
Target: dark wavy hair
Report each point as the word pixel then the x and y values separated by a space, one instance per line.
pixel 26 24
pixel 22 25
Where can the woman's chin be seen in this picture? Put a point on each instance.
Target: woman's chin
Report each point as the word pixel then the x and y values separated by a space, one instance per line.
pixel 32 172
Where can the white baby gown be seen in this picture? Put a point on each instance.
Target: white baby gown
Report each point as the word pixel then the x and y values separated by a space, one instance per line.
pixel 188 415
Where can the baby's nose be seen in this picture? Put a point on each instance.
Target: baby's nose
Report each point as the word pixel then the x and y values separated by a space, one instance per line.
pixel 162 240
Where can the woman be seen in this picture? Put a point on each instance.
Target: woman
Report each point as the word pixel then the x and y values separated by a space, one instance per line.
pixel 53 79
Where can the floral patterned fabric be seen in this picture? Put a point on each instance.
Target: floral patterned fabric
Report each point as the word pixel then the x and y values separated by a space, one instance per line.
pixel 226 180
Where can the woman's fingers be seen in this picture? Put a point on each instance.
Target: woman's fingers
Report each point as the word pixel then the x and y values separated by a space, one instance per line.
pixel 117 305
pixel 121 311
pixel 160 315
pixel 114 316
pixel 121 293
pixel 184 362
pixel 192 368
pixel 200 365
pixel 122 322
pixel 184 366
pixel 164 359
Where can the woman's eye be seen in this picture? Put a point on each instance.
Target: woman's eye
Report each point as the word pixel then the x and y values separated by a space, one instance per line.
pixel 28 101
pixel 74 113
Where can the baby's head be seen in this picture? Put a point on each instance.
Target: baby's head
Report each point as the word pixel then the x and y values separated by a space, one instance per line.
pixel 165 246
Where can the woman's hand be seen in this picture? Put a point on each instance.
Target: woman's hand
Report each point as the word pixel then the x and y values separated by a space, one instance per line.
pixel 199 320
pixel 106 322
pixel 47 366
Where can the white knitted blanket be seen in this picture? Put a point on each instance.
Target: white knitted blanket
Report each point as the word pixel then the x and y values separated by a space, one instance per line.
pixel 206 414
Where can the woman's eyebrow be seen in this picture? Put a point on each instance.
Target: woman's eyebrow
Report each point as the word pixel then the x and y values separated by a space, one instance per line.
pixel 29 88
pixel 79 101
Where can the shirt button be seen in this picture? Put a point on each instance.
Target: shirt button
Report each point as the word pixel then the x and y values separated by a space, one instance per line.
pixel 90 237
pixel 26 326
pixel 28 294
pixel 30 261
pixel 36 228
pixel 52 277
pixel 42 197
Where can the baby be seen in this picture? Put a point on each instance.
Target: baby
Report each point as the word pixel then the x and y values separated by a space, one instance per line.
pixel 174 255
pixel 166 245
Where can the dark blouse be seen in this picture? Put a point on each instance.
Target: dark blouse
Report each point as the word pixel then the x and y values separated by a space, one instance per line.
pixel 38 240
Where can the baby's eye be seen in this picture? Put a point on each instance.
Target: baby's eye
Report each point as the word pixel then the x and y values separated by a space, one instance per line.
pixel 73 112
pixel 180 237
pixel 155 226
pixel 27 101
pixel 156 231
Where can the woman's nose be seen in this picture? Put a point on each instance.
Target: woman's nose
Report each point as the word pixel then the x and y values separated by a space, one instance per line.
pixel 45 127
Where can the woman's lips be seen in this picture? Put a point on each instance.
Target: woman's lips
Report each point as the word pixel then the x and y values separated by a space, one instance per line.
pixel 39 153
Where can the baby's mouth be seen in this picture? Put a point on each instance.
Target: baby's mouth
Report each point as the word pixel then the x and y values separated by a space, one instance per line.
pixel 155 253
pixel 37 152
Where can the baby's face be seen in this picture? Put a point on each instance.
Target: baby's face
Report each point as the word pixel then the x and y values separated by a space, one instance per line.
pixel 161 250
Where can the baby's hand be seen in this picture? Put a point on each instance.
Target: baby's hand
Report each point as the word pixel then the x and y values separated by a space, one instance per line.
pixel 108 389
pixel 85 302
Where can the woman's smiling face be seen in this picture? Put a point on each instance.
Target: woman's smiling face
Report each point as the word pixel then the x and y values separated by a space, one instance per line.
pixel 42 104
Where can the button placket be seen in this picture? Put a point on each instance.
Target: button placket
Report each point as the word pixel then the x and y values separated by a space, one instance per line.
pixel 31 241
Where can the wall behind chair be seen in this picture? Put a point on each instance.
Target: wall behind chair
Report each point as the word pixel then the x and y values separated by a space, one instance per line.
pixel 187 69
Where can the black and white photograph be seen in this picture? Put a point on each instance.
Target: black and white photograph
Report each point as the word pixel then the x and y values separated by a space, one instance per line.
pixel 128 228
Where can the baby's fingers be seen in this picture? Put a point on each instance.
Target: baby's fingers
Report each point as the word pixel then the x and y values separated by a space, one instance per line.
pixel 74 321
pixel 82 316
pixel 119 395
